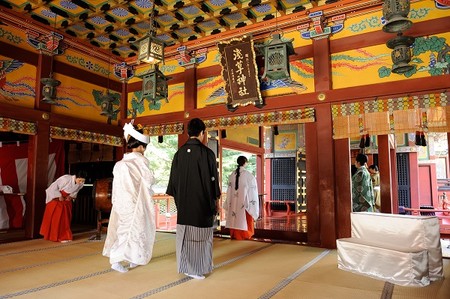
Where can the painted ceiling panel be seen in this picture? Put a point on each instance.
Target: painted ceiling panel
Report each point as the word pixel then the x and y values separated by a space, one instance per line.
pixel 115 24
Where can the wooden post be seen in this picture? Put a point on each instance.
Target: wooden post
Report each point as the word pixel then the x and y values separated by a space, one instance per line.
pixel 386 169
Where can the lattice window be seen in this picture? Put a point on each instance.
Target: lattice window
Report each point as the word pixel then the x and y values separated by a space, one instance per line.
pixel 283 181
pixel 404 193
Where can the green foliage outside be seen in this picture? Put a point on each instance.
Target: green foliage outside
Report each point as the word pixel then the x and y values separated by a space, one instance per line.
pixel 229 164
pixel 160 156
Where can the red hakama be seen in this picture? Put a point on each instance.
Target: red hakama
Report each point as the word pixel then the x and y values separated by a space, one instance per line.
pixel 244 234
pixel 56 222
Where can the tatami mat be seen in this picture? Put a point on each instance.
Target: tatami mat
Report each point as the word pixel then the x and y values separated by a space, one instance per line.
pixel 243 269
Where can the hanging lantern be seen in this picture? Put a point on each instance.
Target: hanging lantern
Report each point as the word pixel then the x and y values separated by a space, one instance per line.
pixel 154 85
pixel 151 48
pixel 108 100
pixel 401 54
pixel 396 14
pixel 107 104
pixel 49 89
pixel 276 58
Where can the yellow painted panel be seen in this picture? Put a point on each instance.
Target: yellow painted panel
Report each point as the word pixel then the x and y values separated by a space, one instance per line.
pixel 169 68
pixel 212 58
pixel 17 82
pixel 16 37
pixel 373 64
pixel 211 91
pixel 247 135
pixel 87 63
pixel 302 75
pixel 420 11
pixel 175 103
pixel 80 99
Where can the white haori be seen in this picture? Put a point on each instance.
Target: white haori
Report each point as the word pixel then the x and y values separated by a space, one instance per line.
pixel 66 183
pixel 241 200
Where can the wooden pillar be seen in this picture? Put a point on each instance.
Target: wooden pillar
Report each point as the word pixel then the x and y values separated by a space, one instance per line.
pixel 343 187
pixel 385 168
pixel 312 184
pixel 320 182
pixel 37 179
pixel 326 169
pixel 124 101
pixel 320 167
pixel 260 169
pixel 120 150
pixel 414 182
pixel 38 149
pixel 447 166
pixel 394 182
pixel 322 65
pixel 190 100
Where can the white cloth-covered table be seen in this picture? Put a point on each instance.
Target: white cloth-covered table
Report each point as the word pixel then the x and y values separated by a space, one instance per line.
pixel 402 230
pixel 397 264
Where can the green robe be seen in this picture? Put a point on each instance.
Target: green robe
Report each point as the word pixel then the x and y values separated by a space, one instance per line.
pixel 362 191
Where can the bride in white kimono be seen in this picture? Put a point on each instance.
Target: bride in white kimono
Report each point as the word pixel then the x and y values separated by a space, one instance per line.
pixel 132 228
pixel 241 204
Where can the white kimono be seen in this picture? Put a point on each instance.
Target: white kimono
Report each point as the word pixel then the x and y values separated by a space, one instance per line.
pixel 245 198
pixel 132 228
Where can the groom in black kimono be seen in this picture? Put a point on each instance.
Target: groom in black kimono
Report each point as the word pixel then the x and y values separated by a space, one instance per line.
pixel 195 187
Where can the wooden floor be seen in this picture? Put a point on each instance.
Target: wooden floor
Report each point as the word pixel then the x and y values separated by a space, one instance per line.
pixel 243 269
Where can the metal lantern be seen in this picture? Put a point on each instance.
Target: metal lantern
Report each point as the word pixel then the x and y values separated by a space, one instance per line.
pixel 396 14
pixel 401 54
pixel 107 104
pixel 49 89
pixel 108 100
pixel 154 85
pixel 276 58
pixel 151 49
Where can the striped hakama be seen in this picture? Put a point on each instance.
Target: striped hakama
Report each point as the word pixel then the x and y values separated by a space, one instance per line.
pixel 194 249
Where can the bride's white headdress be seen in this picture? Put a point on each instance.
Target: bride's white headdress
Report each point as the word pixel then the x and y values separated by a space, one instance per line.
pixel 129 130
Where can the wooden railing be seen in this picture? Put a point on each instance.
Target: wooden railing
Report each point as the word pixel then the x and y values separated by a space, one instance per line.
pixel 442 215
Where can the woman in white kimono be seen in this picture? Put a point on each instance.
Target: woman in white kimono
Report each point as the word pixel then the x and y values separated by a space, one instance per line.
pixel 132 227
pixel 241 204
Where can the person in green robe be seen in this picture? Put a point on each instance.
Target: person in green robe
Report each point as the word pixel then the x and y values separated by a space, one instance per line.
pixel 362 189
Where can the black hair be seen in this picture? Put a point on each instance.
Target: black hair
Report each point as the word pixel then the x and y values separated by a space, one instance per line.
pixel 374 167
pixel 82 174
pixel 195 127
pixel 353 169
pixel 361 159
pixel 133 142
pixel 241 160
